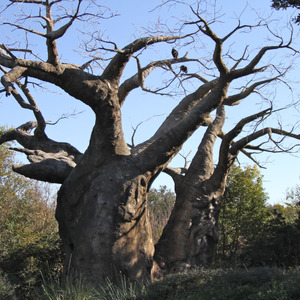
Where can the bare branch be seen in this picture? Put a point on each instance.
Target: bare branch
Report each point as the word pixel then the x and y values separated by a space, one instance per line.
pixel 236 99
pixel 65 116
pixel 53 35
pixel 25 29
pixel 238 61
pixel 138 80
pixel 240 125
pixel 227 154
pixel 217 56
pixel 186 162
pixel 249 155
pixel 250 68
pixel 266 131
pixel 239 27
pixel 32 105
pixel 136 128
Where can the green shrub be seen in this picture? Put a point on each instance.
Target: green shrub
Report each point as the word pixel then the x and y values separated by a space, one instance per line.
pixel 243 213
pixel 219 284
pixel 29 242
pixel 160 202
pixel 278 244
pixel 7 290
pixel 23 267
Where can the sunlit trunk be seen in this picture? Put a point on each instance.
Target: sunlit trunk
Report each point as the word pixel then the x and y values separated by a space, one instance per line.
pixel 104 222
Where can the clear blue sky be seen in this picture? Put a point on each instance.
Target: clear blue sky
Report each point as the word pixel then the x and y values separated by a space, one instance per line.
pixel 282 170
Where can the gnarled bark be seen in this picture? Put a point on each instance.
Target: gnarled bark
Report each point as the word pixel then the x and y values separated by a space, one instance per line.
pixel 104 222
pixel 190 237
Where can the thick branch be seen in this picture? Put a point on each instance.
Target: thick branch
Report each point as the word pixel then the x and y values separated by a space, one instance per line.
pixel 49 170
pixel 179 112
pixel 175 173
pixel 184 107
pixel 202 165
pixel 10 77
pixel 82 86
pixel 56 34
pixel 226 155
pixel 24 138
pixel 91 90
pixel 115 68
pixel 59 158
pixel 169 142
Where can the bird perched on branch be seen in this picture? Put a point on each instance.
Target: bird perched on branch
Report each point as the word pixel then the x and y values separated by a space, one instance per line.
pixel 183 69
pixel 174 53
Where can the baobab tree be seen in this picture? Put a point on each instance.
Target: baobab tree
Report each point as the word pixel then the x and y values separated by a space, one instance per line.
pixel 102 203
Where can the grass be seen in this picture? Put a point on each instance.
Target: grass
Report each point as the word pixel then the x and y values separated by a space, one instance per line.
pixel 78 288
pixel 70 288
pixel 202 284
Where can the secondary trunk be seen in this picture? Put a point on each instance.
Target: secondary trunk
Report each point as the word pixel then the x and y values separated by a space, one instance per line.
pixel 191 235
pixel 104 222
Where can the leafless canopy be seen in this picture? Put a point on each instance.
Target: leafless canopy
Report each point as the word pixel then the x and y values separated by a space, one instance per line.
pixel 105 93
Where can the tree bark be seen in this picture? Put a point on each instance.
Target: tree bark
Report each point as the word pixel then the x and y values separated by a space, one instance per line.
pixel 191 234
pixel 104 221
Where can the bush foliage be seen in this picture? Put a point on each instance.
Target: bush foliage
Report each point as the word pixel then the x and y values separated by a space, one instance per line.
pixel 29 242
pixel 278 243
pixel 220 284
pixel 243 212
pixel 253 233
pixel 161 202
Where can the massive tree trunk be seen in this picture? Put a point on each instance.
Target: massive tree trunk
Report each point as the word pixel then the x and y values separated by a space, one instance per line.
pixel 104 221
